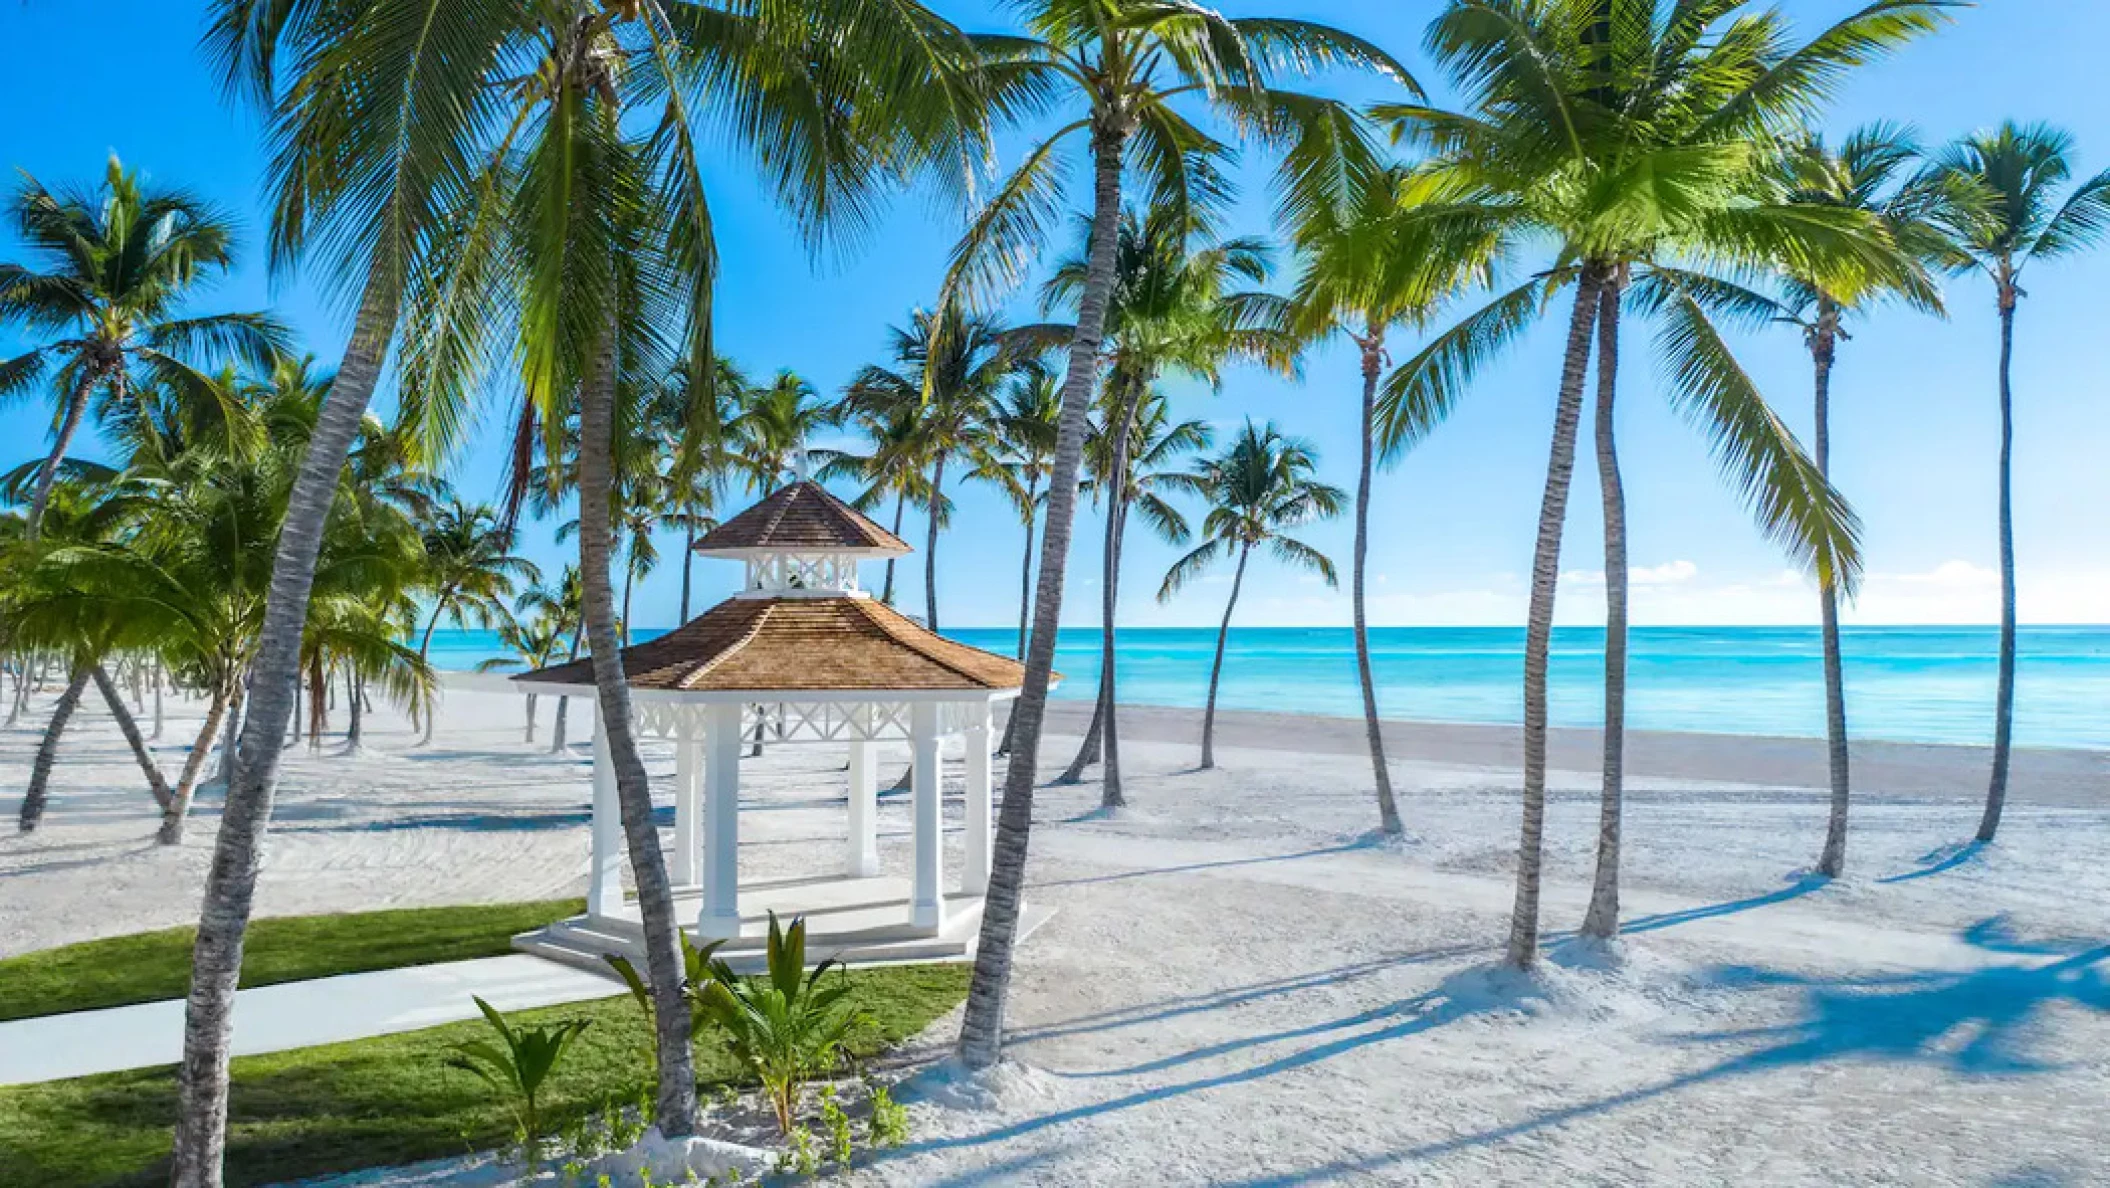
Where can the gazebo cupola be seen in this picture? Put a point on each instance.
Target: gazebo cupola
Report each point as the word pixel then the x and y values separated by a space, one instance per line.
pixel 801 542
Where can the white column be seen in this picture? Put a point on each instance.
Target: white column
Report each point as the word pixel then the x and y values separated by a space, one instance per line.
pixel 927 900
pixel 721 825
pixel 688 784
pixel 863 859
pixel 974 877
pixel 604 882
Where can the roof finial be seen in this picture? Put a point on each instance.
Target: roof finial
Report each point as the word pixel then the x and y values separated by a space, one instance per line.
pixel 799 469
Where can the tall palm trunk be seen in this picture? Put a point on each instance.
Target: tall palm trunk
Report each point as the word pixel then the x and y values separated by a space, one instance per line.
pixel 39 790
pixel 130 729
pixel 230 888
pixel 886 594
pixel 230 745
pixel 930 547
pixel 1832 863
pixel 354 724
pixel 1216 669
pixel 688 563
pixel 530 718
pixel 318 701
pixel 1110 601
pixel 157 700
pixel 623 629
pixel 1523 947
pixel 177 812
pixel 1373 344
pixel 1602 920
pixel 2004 696
pixel 982 1031
pixel 1025 605
pixel 675 1114
pixel 70 424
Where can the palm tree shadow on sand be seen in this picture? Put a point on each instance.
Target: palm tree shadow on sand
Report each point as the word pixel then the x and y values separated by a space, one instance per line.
pixel 1977 1023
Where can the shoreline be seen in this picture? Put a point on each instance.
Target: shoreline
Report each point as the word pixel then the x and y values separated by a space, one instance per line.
pixel 2038 775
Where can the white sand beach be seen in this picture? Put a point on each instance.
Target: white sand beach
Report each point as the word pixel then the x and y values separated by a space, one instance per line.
pixel 1239 987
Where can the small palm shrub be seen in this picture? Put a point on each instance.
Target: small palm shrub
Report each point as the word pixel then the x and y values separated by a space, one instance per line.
pixel 518 1069
pixel 784 1025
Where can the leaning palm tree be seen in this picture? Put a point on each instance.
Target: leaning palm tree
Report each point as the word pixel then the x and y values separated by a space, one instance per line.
pixel 1260 487
pixel 951 368
pixel 1373 260
pixel 1123 66
pixel 110 269
pixel 535 643
pixel 1176 305
pixel 2018 216
pixel 390 116
pixel 1866 172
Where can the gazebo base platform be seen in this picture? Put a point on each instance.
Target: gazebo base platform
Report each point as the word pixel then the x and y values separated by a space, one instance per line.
pixel 858 921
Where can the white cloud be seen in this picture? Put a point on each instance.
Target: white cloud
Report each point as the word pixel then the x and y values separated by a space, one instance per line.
pixel 1667 574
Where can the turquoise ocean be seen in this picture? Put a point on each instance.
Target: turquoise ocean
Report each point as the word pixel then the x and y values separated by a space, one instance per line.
pixel 1908 684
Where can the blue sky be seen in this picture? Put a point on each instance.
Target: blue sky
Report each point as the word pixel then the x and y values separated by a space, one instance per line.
pixel 1915 426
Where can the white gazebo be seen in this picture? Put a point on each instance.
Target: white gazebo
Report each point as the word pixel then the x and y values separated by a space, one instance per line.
pixel 801 655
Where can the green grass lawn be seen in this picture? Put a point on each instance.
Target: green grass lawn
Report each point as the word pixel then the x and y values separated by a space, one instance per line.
pixel 387 1100
pixel 155 965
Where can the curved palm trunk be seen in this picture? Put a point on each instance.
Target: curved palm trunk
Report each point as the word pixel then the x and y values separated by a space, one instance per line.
pixel 1094 744
pixel 318 702
pixel 230 745
pixel 420 714
pixel 688 562
pixel 39 792
pixel 230 888
pixel 1216 669
pixel 886 593
pixel 982 1031
pixel 70 424
pixel 1832 863
pixel 629 580
pixel 930 548
pixel 1523 948
pixel 177 812
pixel 2004 697
pixel 1602 920
pixel 675 1114
pixel 130 729
pixel 1373 344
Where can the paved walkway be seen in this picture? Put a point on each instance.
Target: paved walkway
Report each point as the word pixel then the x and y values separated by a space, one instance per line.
pixel 293 1015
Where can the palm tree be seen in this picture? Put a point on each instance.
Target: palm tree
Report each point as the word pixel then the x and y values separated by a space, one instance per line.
pixel 773 426
pixel 1260 487
pixel 1159 445
pixel 111 268
pixel 692 418
pixel 893 466
pixel 1372 261
pixel 388 126
pixel 1584 131
pixel 536 643
pixel 1172 308
pixel 1122 65
pixel 1028 417
pixel 952 368
pixel 469 571
pixel 2015 174
pixel 562 605
pixel 1865 173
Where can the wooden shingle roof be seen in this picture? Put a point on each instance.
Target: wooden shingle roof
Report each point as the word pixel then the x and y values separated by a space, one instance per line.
pixel 804 645
pixel 802 516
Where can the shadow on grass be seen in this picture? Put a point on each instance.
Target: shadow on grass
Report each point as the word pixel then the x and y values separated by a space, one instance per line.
pixel 1974 1023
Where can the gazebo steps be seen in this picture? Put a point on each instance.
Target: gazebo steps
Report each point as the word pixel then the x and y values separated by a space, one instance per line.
pixel 855 921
